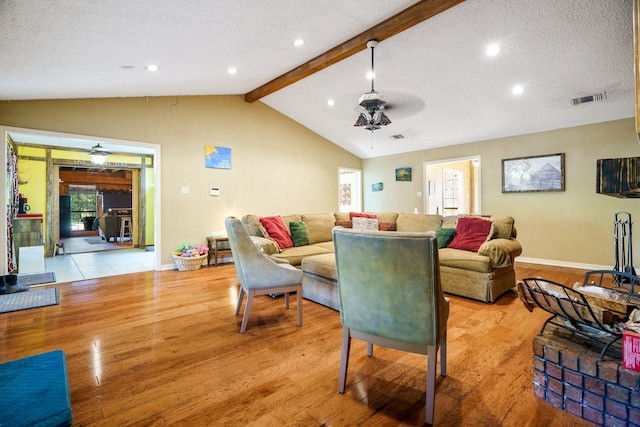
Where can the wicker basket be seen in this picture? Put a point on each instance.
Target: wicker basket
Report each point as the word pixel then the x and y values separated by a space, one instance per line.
pixel 188 263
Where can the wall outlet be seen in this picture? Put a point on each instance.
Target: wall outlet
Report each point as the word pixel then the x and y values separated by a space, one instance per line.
pixel 419 193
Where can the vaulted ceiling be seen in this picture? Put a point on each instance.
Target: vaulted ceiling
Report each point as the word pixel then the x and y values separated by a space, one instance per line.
pixel 441 86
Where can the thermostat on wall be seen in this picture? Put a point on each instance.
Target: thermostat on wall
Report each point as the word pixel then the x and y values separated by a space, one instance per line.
pixel 215 191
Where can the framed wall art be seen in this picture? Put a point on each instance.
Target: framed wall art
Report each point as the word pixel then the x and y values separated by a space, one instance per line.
pixel 377 186
pixel 217 157
pixel 403 174
pixel 533 174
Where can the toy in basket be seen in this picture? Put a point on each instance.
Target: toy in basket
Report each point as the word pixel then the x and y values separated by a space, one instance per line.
pixel 189 257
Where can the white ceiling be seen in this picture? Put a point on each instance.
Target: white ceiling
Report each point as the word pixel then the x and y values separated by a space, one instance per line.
pixel 440 85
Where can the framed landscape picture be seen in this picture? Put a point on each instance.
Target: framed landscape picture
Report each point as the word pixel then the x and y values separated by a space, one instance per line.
pixel 403 174
pixel 533 174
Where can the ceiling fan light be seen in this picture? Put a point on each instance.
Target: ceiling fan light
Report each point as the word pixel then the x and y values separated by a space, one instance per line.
pixel 382 119
pixel 98 155
pixel 362 121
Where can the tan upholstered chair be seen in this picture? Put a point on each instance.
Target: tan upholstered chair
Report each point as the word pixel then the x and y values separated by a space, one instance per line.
pixel 258 274
pixel 390 295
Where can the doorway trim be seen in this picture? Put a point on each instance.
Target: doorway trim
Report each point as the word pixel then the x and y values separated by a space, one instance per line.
pixel 145 148
pixel 427 188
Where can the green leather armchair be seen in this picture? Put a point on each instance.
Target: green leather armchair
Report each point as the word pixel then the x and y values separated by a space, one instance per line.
pixel 390 295
pixel 258 274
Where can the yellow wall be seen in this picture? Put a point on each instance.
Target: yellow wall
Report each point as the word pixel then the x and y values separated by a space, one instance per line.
pixel 278 166
pixel 570 227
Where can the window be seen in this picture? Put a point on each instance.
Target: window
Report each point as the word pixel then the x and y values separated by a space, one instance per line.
pixel 83 205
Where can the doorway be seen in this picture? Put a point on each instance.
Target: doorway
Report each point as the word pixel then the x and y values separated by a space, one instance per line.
pixel 349 190
pixel 150 171
pixel 452 186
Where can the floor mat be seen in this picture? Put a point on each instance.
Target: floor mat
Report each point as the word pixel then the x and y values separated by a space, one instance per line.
pixel 29 299
pixel 36 279
pixel 94 240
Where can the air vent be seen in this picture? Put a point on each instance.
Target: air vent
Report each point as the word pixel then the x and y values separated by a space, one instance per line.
pixel 601 96
pixel 398 136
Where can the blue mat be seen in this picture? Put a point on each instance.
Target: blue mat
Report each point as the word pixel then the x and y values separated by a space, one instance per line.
pixel 35 391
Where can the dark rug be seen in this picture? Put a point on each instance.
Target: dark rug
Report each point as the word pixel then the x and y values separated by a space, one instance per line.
pixel 95 240
pixel 29 299
pixel 36 279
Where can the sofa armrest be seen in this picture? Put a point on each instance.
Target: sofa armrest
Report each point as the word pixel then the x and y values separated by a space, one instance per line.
pixel 267 246
pixel 501 251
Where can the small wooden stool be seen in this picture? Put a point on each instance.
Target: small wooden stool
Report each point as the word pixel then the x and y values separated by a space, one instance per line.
pixel 125 227
pixel 59 245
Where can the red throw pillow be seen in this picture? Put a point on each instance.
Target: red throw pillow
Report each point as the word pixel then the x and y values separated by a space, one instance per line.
pixel 387 226
pixel 345 224
pixel 361 215
pixel 471 233
pixel 277 231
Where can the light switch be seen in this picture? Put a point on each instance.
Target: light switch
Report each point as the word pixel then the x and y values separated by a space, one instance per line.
pixel 185 190
pixel 419 193
pixel 215 191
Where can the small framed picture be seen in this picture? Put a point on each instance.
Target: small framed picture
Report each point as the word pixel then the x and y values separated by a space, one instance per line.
pixel 403 174
pixel 376 187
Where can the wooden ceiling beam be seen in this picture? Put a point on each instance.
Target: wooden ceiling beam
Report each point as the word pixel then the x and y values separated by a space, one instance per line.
pixel 406 19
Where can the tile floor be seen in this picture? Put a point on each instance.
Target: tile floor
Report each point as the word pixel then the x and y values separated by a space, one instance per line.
pixel 81 266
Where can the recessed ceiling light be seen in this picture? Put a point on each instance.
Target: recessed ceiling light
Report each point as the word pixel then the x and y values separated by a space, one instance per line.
pixel 232 70
pixel 493 50
pixel 152 68
pixel 298 42
pixel 517 90
pixel 331 102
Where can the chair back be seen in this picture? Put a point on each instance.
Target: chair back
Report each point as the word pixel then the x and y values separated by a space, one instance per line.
pixel 389 285
pixel 254 269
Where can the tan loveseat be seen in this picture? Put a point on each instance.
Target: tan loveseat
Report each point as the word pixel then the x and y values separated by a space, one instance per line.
pixel 483 275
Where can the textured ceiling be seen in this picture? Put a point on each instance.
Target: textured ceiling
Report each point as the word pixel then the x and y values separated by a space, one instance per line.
pixel 441 87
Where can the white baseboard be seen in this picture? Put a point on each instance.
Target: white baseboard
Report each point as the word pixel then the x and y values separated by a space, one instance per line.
pixel 556 263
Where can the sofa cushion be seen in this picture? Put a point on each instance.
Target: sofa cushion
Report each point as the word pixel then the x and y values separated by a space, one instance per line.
pixel 289 218
pixel 361 223
pixel 341 216
pixel 471 233
pixel 361 215
pixel 252 224
pixel 277 231
pixel 321 265
pixel 266 245
pixel 320 226
pixel 295 255
pixel 386 226
pixel 444 236
pixel 464 260
pixel 387 217
pixel 418 222
pixel 503 227
pixel 299 233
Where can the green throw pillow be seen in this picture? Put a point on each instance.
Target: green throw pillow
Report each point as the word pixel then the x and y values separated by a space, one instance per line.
pixel 299 233
pixel 444 236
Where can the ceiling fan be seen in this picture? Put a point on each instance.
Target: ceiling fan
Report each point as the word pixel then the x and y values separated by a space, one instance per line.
pixel 372 101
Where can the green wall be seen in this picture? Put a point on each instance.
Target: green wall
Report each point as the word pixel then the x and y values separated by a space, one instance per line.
pixel 563 228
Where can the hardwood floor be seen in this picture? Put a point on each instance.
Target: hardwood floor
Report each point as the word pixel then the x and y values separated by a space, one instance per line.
pixel 164 348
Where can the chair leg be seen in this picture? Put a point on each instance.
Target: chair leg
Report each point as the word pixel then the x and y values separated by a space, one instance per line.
pixel 369 349
pixel 240 296
pixel 344 359
pixel 247 309
pixel 432 363
pixel 299 302
pixel 443 355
